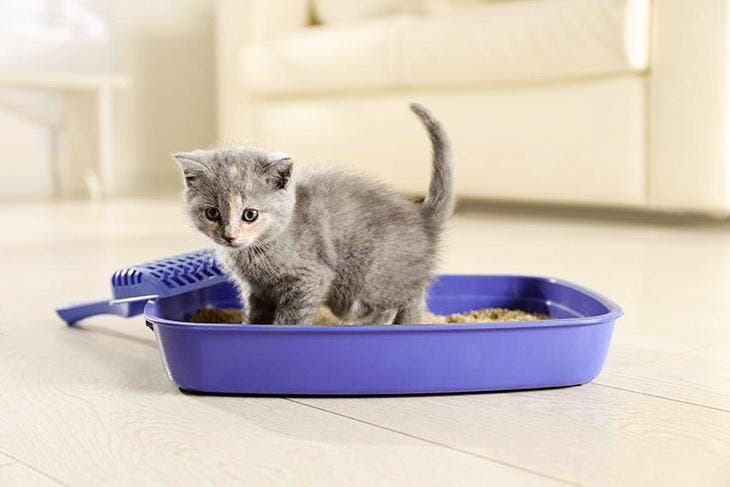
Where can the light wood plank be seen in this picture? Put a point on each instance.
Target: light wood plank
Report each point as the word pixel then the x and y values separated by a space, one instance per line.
pixel 5 460
pixel 590 435
pixel 18 475
pixel 632 350
pixel 699 376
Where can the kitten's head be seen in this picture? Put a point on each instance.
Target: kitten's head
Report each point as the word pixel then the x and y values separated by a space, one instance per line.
pixel 238 195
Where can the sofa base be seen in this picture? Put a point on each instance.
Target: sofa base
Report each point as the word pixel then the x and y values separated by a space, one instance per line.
pixel 581 142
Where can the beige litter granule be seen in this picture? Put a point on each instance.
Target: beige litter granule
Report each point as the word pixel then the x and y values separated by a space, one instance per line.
pixel 230 316
pixel 325 317
pixel 485 315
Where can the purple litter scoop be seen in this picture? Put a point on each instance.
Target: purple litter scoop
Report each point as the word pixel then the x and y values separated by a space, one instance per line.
pixel 133 286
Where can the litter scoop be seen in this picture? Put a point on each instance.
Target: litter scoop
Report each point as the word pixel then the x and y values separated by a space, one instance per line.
pixel 133 286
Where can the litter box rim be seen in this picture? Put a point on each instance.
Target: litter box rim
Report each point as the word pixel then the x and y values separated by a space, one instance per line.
pixel 153 316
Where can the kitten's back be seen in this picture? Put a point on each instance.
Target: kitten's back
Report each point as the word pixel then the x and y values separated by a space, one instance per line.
pixel 380 241
pixel 339 194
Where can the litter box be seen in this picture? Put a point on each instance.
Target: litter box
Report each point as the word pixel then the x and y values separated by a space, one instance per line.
pixel 567 349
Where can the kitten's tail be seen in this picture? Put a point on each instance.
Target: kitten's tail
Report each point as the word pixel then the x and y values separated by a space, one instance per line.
pixel 439 201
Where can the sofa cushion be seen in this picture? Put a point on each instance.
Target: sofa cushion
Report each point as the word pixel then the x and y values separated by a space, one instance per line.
pixel 496 43
pixel 337 11
pixel 525 41
pixel 441 7
pixel 339 57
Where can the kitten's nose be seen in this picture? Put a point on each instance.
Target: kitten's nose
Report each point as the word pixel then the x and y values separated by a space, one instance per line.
pixel 228 239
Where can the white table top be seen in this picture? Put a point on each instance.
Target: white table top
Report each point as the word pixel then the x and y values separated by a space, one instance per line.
pixel 62 81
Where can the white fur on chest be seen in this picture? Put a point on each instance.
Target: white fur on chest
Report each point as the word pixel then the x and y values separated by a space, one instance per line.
pixel 250 264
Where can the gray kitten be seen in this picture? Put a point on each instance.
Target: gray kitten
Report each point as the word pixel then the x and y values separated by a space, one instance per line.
pixel 298 241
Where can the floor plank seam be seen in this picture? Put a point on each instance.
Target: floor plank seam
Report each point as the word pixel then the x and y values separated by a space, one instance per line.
pixel 436 443
pixel 681 401
pixel 31 467
pixel 668 356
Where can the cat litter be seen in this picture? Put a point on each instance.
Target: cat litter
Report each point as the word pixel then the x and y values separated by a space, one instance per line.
pixel 325 316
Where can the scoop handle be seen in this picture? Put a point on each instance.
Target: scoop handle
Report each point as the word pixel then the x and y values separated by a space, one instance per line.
pixel 73 313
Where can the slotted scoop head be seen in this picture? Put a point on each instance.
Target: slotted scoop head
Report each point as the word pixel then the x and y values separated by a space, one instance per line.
pixel 133 286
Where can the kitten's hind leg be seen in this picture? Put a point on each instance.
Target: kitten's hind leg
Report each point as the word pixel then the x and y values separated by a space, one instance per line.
pixel 289 315
pixel 410 313
pixel 356 313
pixel 380 317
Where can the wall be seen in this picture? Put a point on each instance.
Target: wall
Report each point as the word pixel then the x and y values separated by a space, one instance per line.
pixel 26 162
pixel 166 47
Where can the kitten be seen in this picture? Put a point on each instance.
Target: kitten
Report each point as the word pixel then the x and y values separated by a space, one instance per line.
pixel 297 241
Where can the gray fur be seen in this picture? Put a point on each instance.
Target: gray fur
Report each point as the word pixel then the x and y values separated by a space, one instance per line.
pixel 322 236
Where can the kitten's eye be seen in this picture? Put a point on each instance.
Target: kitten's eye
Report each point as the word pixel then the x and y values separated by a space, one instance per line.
pixel 250 215
pixel 212 214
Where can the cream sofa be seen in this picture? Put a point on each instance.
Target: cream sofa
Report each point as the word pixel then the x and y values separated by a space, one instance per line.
pixel 620 103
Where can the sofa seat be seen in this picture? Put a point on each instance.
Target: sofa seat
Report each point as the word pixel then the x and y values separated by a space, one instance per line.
pixel 494 44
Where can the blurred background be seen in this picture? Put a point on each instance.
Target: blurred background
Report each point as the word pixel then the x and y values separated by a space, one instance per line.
pixel 599 103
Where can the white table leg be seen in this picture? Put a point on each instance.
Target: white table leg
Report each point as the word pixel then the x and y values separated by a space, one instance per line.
pixel 78 153
pixel 104 139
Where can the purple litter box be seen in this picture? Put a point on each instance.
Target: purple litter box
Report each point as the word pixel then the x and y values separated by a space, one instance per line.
pixel 568 349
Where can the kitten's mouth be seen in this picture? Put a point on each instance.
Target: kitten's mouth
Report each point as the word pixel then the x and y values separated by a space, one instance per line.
pixel 234 244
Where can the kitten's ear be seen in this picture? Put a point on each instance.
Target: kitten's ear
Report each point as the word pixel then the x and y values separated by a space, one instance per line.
pixel 191 165
pixel 279 168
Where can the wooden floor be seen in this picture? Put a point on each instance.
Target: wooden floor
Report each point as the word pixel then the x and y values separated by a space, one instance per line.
pixel 91 405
